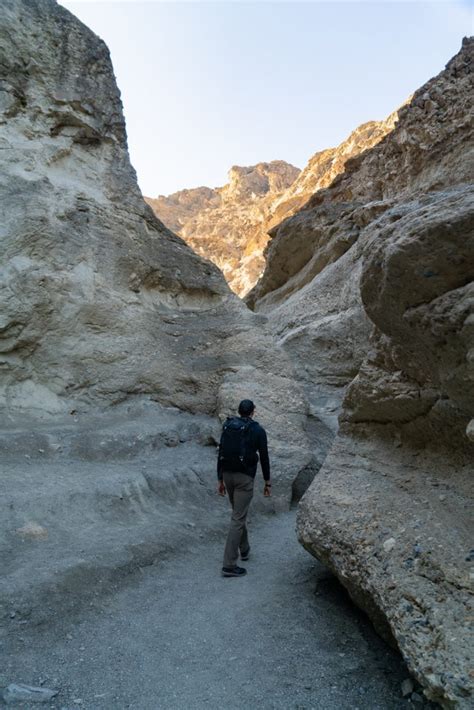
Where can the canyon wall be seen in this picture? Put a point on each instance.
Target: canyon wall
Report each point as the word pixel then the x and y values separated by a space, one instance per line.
pixel 100 302
pixel 369 288
pixel 121 350
pixel 230 225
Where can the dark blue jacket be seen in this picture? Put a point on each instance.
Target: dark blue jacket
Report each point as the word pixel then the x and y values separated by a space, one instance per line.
pixel 257 439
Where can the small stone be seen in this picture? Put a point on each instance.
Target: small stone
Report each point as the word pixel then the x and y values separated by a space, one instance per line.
pixel 32 531
pixel 19 693
pixel 408 687
pixel 389 544
pixel 416 698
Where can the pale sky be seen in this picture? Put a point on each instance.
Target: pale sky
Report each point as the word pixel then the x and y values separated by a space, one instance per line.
pixel 208 85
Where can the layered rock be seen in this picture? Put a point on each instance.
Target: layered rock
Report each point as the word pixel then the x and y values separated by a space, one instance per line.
pixel 369 288
pixel 111 326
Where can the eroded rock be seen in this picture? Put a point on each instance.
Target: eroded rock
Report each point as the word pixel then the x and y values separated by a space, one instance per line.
pixel 369 288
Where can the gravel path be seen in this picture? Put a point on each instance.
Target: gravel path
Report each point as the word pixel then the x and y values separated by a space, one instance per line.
pixel 179 636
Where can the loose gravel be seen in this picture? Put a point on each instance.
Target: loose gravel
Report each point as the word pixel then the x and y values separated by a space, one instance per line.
pixel 179 636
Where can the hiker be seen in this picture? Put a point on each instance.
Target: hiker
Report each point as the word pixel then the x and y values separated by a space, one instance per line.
pixel 237 463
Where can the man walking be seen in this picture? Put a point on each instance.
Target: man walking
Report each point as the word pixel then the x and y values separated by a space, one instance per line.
pixel 242 440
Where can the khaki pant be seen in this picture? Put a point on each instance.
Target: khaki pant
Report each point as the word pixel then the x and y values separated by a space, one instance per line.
pixel 239 488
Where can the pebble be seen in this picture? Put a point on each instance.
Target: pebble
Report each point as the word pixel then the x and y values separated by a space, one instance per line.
pixel 408 687
pixel 416 698
pixel 17 692
pixel 389 544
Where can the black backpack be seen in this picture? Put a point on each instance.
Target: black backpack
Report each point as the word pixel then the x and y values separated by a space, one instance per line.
pixel 234 453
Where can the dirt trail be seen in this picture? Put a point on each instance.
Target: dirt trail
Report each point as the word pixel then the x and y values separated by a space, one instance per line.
pixel 179 636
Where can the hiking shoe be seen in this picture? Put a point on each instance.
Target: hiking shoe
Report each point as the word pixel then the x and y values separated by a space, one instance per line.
pixel 233 571
pixel 245 555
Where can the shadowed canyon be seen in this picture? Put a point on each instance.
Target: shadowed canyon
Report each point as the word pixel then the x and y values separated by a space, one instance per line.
pixel 124 344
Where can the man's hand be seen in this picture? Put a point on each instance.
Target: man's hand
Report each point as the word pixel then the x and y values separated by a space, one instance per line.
pixel 267 489
pixel 221 488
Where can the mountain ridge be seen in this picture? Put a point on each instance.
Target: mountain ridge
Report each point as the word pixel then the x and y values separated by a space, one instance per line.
pixel 230 225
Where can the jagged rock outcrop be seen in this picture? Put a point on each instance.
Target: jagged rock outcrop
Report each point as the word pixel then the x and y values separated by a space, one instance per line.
pixel 179 208
pixel 228 225
pixel 369 287
pixel 111 327
pixel 324 166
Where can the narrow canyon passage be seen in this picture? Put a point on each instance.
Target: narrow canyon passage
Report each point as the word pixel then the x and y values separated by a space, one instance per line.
pixel 180 636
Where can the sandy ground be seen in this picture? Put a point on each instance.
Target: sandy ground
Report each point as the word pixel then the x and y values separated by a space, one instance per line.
pixel 178 635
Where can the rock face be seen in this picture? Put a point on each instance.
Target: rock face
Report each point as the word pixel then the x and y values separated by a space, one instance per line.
pixel 230 225
pixel 183 206
pixel 83 292
pixel 369 288
pixel 111 327
pixel 100 302
pixel 121 350
pixel 326 165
